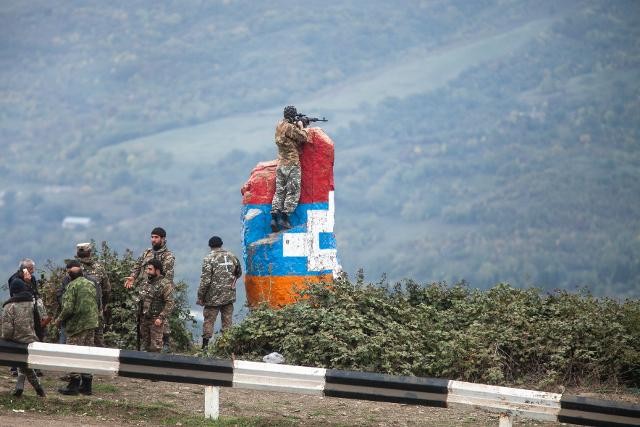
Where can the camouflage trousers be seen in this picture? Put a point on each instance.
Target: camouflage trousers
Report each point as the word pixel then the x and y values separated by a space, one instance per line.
pixel 151 335
pixel 287 195
pixel 85 337
pixel 210 313
pixel 30 375
pixel 98 335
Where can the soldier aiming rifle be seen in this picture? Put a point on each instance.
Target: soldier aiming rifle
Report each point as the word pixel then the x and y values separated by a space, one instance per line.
pixel 307 120
pixel 291 134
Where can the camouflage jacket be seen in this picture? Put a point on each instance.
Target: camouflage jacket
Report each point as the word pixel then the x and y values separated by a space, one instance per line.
pixel 52 293
pixel 18 321
pixel 289 138
pixel 94 268
pixel 65 282
pixel 163 254
pixel 220 270
pixel 156 297
pixel 79 307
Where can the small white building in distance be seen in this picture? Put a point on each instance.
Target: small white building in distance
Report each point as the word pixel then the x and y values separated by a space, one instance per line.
pixel 75 222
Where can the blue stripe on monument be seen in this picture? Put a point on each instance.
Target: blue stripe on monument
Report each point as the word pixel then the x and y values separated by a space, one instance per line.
pixel 259 226
pixel 265 258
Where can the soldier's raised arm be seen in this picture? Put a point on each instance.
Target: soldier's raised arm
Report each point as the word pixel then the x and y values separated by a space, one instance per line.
pixel 135 272
pixel 295 132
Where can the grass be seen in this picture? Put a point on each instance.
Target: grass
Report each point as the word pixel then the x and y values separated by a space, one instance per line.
pixel 155 412
pixel 105 388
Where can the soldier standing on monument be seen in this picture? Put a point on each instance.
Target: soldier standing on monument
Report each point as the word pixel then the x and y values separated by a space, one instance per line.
pixel 217 291
pixel 156 304
pixel 159 251
pixel 290 135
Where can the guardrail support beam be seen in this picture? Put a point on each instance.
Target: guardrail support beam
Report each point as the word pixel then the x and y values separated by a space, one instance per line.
pixel 211 402
pixel 506 420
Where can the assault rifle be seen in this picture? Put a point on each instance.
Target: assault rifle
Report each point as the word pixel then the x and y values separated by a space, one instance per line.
pixel 139 322
pixel 307 120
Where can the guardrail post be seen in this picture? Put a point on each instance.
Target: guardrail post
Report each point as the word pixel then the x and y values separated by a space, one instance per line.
pixel 506 420
pixel 211 402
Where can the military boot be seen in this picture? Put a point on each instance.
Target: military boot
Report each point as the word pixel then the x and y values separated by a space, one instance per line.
pixel 85 386
pixel 283 222
pixel 274 222
pixel 72 388
pixel 35 382
pixel 166 346
pixel 205 343
pixel 17 392
pixel 39 390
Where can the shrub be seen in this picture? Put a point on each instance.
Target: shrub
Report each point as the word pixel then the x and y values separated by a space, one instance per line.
pixel 500 336
pixel 122 330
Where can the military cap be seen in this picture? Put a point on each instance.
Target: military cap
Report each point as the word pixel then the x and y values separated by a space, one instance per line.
pixel 73 263
pixel 83 247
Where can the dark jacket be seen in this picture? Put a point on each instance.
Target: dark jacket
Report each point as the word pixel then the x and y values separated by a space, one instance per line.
pixel 16 284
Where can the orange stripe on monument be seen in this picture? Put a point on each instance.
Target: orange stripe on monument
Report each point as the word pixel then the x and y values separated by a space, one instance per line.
pixel 278 291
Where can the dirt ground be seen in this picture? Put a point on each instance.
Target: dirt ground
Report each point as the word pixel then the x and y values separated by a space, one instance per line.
pixel 188 401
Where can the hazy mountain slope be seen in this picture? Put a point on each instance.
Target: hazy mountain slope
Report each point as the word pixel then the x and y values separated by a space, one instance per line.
pixel 524 171
pixel 484 140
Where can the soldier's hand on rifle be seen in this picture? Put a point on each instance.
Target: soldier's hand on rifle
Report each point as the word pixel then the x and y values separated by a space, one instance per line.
pixel 158 322
pixel 300 124
pixel 128 282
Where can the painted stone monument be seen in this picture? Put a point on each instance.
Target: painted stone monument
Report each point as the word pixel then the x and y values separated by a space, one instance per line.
pixel 280 264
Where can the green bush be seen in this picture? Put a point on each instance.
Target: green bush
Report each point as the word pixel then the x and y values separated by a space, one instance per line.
pixel 121 332
pixel 500 336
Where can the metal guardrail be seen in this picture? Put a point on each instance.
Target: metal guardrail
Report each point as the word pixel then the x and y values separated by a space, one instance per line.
pixel 213 373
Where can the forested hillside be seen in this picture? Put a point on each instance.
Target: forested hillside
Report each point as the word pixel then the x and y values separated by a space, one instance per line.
pixel 488 141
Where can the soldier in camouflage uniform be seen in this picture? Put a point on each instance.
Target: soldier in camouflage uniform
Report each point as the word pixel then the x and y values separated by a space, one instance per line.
pixel 159 251
pixel 217 291
pixel 94 269
pixel 290 135
pixel 156 303
pixel 80 315
pixel 18 324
